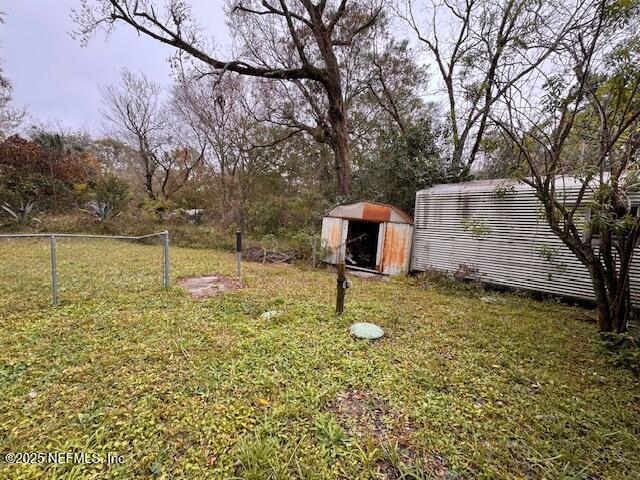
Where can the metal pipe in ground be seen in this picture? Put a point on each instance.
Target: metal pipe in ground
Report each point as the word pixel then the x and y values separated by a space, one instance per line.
pixel 54 271
pixel 341 288
pixel 166 265
pixel 239 254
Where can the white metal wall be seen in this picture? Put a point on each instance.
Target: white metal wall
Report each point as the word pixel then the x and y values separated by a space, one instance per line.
pixel 509 251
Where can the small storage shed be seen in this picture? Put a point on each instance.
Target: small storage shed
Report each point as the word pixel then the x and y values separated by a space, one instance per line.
pixel 368 236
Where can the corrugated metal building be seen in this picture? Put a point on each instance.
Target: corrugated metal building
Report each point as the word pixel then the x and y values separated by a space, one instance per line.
pixel 368 236
pixel 494 231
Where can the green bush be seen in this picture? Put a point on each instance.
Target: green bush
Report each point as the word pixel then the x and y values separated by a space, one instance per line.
pixel 109 195
pixel 447 283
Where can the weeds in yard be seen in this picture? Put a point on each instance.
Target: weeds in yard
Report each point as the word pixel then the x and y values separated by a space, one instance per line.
pixel 258 459
pixel 206 388
pixel 447 283
pixel 330 434
pixel 624 350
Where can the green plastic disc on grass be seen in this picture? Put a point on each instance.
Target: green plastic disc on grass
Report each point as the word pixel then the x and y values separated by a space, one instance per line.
pixel 368 331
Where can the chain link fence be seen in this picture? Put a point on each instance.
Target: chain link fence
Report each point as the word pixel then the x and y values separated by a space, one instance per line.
pixel 166 267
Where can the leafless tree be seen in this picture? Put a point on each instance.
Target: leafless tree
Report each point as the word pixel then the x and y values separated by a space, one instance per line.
pixel 214 110
pixel 10 117
pixel 295 41
pixel 135 111
pixel 586 124
pixel 484 48
pixel 222 113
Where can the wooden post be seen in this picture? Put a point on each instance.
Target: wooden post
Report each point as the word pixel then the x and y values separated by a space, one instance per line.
pixel 341 288
pixel 239 254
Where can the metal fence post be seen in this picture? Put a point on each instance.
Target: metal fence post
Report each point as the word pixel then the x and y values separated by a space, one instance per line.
pixel 166 274
pixel 341 288
pixel 313 251
pixel 239 254
pixel 54 272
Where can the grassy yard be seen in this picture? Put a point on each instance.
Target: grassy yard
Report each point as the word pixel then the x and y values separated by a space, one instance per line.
pixel 184 388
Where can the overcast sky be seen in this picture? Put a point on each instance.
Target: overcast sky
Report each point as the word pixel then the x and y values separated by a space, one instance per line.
pixel 57 80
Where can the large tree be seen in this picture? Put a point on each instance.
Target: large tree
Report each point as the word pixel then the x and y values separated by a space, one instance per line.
pixel 9 116
pixel 166 156
pixel 483 49
pixel 585 123
pixel 300 42
pixel 215 112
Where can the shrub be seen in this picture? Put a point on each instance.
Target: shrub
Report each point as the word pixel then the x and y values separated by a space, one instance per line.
pixel 625 350
pixel 447 282
pixel 109 196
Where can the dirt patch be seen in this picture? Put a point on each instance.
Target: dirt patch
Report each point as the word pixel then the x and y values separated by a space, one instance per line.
pixel 210 286
pixel 364 414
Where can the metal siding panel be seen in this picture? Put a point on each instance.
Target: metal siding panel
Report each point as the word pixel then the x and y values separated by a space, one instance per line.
pixel 370 211
pixel 373 212
pixel 343 240
pixel 510 254
pixel 330 238
pixel 350 210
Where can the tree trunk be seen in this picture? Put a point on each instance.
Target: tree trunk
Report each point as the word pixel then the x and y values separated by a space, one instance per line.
pixel 337 110
pixel 342 164
pixel 340 133
pixel 460 168
pixel 623 310
pixel 613 303
pixel 605 323
pixel 149 185
pixel 227 215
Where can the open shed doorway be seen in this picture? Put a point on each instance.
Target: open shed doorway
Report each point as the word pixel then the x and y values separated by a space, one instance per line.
pixel 368 236
pixel 362 244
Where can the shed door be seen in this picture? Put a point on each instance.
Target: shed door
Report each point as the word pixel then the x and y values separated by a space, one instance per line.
pixel 396 253
pixel 334 234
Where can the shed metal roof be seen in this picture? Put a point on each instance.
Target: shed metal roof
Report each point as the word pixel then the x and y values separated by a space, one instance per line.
pixel 371 211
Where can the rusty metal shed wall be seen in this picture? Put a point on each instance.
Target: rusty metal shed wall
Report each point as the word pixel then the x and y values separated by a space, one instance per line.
pixel 507 247
pixel 396 251
pixel 331 239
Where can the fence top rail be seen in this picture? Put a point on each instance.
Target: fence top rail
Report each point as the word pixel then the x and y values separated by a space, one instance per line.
pixel 79 235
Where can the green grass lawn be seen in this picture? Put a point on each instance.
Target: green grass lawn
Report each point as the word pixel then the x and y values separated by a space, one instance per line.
pixel 184 388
